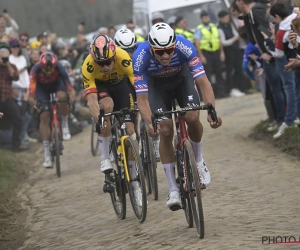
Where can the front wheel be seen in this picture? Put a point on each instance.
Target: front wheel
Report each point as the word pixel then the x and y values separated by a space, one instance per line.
pixel 57 149
pixel 94 139
pixel 117 195
pixel 194 190
pixel 136 184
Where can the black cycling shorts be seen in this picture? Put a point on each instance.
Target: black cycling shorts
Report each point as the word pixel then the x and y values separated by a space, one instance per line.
pixel 160 91
pixel 43 92
pixel 122 94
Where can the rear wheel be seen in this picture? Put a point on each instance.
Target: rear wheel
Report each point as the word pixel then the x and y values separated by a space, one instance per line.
pixel 57 149
pixel 136 185
pixel 117 195
pixel 94 139
pixel 194 188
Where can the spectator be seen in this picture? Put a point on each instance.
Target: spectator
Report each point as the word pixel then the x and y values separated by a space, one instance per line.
pixel 171 21
pixel 80 28
pixel 181 29
pixel 9 73
pixel 103 31
pixel 42 38
pixel 112 32
pixel 7 29
pixel 230 42
pixel 130 25
pixel 256 20
pixel 24 43
pixel 4 40
pixel 210 51
pixel 157 17
pixel 34 58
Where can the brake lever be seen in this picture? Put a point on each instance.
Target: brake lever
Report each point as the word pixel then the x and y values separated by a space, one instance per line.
pixel 100 121
pixel 154 122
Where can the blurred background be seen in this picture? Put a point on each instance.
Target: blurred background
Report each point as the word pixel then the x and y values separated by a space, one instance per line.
pixel 63 16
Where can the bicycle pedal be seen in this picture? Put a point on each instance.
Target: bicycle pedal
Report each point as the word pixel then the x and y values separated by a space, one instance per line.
pixel 175 207
pixel 108 171
pixel 202 186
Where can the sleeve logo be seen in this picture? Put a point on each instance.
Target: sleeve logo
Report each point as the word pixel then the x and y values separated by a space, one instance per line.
pixel 194 62
pixel 126 63
pixel 137 78
pixel 89 68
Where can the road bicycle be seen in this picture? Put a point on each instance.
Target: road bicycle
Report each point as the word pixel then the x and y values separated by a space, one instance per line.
pixel 128 173
pixel 94 139
pixel 149 161
pixel 187 175
pixel 56 145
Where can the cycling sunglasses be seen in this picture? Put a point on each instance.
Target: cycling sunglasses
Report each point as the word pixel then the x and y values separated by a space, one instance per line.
pixel 106 62
pixel 160 52
pixel 48 69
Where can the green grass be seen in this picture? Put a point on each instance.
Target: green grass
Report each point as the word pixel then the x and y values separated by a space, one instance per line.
pixel 9 174
pixel 289 142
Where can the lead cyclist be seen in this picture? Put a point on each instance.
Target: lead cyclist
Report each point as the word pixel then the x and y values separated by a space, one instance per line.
pixel 163 65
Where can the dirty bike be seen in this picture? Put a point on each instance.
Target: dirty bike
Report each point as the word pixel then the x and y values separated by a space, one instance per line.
pixel 187 175
pixel 128 174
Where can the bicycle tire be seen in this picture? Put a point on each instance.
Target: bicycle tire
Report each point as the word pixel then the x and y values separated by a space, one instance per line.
pixel 57 150
pixel 152 165
pixel 144 158
pixel 139 211
pixel 118 197
pixel 94 140
pixel 194 188
pixel 185 199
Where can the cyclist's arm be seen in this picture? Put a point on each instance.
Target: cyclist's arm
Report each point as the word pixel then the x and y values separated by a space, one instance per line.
pixel 90 88
pixel 32 85
pixel 144 107
pixel 64 76
pixel 206 90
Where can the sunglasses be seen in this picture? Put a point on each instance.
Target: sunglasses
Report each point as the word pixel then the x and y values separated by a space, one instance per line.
pixel 16 46
pixel 24 40
pixel 48 69
pixel 106 62
pixel 130 50
pixel 160 52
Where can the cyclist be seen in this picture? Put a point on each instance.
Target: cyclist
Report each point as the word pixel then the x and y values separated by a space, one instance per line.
pixel 49 76
pixel 163 65
pixel 126 40
pixel 105 73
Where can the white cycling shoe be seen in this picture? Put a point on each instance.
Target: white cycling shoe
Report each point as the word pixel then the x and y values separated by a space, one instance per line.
pixel 173 201
pixel 66 135
pixel 105 165
pixel 203 171
pixel 47 162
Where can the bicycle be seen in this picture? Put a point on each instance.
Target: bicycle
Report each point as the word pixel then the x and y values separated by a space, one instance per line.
pixel 188 177
pixel 128 174
pixel 56 145
pixel 94 139
pixel 149 162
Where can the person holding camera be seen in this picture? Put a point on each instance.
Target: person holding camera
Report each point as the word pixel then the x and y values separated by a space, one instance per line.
pixel 8 106
pixel 14 27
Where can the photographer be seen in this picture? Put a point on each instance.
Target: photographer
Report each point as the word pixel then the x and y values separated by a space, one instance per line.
pixel 8 106
pixel 3 19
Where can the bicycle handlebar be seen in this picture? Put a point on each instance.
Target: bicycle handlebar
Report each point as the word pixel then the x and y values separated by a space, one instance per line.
pixel 182 111
pixel 40 102
pixel 122 113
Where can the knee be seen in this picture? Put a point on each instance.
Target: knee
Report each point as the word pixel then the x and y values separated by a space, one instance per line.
pixel 130 129
pixel 166 128
pixel 192 117
pixel 45 117
pixel 108 106
pixel 61 95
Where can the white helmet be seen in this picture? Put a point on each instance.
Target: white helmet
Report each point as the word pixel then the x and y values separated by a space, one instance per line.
pixel 161 35
pixel 125 38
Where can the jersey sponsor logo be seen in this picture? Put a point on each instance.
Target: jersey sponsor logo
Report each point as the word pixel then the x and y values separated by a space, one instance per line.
pixel 89 68
pixel 194 62
pixel 114 75
pixel 126 63
pixel 137 78
pixel 85 79
pixel 102 94
pixel 190 98
pixel 183 48
pixel 167 71
pixel 131 101
pixel 139 60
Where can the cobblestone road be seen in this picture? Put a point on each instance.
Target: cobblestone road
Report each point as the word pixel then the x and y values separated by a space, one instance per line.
pixel 254 192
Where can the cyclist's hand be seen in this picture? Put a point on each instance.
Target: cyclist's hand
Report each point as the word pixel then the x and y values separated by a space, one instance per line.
pixel 38 110
pixel 150 130
pixel 100 129
pixel 72 94
pixel 214 124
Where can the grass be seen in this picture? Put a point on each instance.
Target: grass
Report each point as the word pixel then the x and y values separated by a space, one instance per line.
pixel 289 142
pixel 9 174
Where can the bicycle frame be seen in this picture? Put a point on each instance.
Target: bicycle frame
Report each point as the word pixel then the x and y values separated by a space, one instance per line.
pixel 54 115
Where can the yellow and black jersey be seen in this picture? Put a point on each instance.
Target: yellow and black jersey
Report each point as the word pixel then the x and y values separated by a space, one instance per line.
pixel 92 75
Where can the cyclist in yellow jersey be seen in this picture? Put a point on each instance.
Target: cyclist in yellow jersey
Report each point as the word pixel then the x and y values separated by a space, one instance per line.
pixel 108 82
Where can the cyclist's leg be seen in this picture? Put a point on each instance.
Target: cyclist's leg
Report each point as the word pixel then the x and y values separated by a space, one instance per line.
pixel 61 93
pixel 43 94
pixel 187 95
pixel 106 103
pixel 160 99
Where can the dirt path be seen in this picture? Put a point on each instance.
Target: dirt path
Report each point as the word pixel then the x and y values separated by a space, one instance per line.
pixel 254 192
